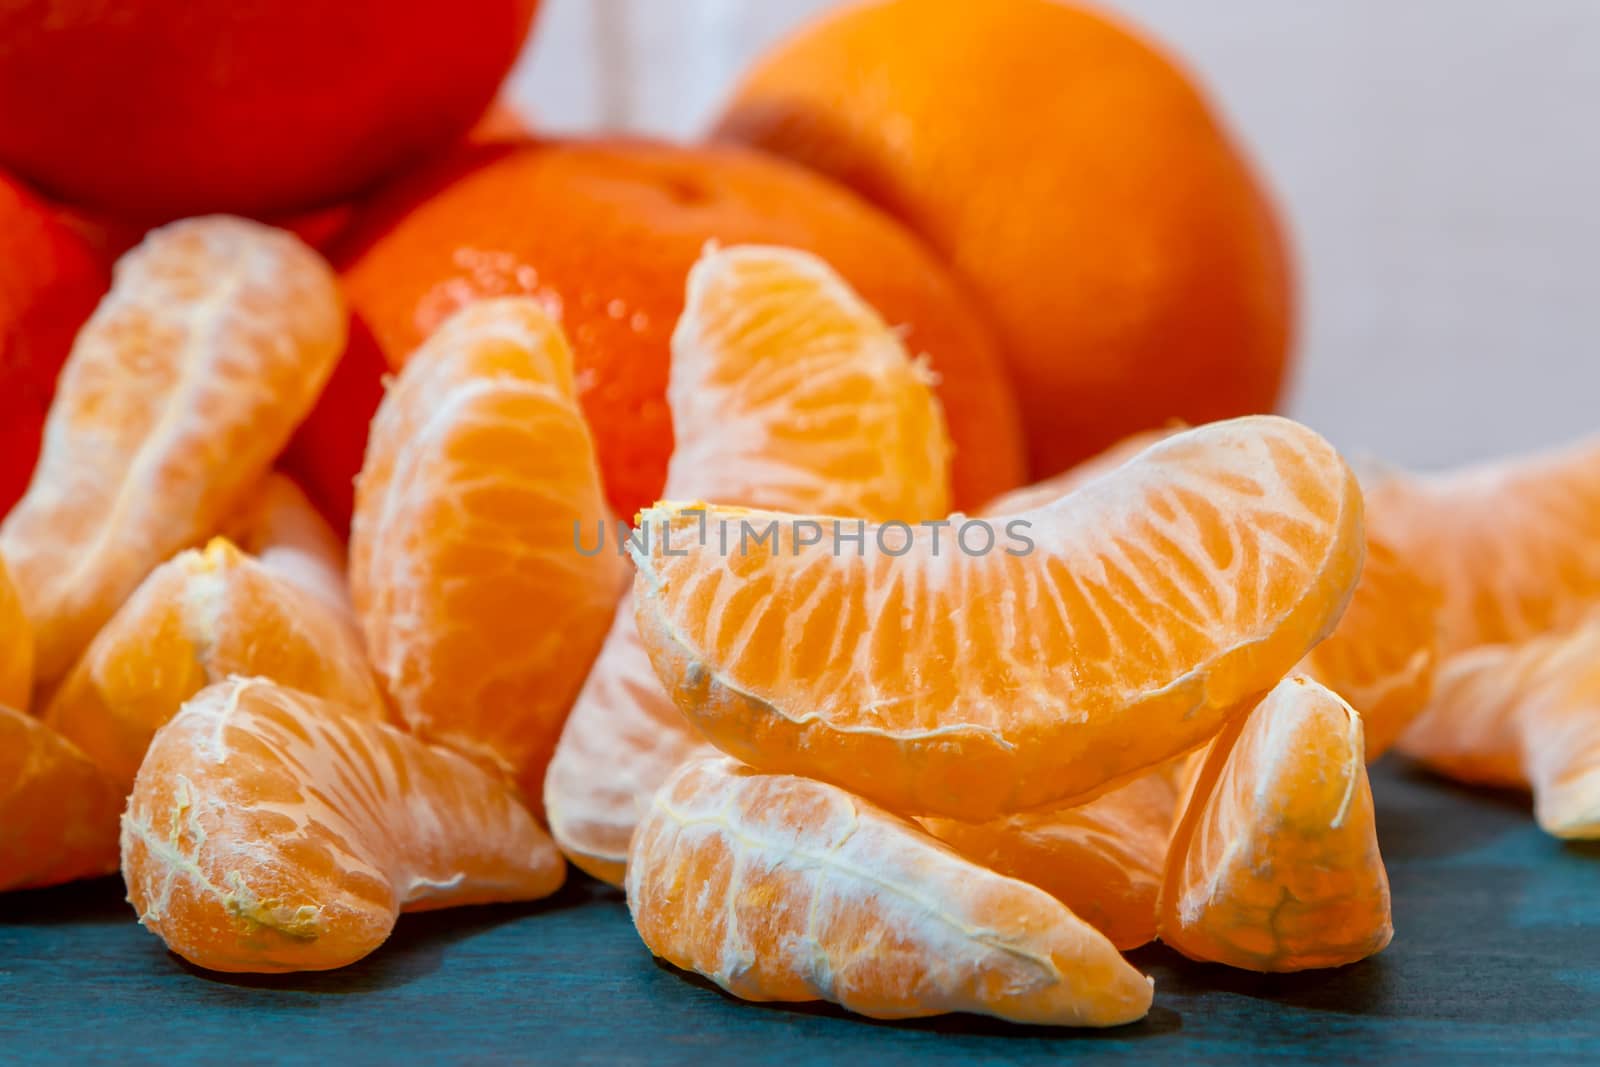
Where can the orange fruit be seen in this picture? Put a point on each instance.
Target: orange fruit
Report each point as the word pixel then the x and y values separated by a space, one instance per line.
pixel 49 283
pixel 213 343
pixel 789 393
pixel 1274 865
pixel 165 109
pixel 604 234
pixel 1103 859
pixel 58 816
pixel 782 888
pixel 1074 176
pixel 1510 545
pixel 481 614
pixel 280 527
pixel 1382 656
pixel 1523 716
pixel 270 831
pixel 199 618
pixel 1099 635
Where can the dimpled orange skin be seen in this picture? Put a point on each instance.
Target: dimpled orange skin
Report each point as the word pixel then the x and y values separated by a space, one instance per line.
pixel 1075 176
pixel 789 393
pixel 783 888
pixel 1155 601
pixel 268 831
pixel 1103 859
pixel 1385 650
pixel 1510 545
pixel 481 615
pixel 58 815
pixel 1522 716
pixel 1275 863
pixel 198 618
pixel 187 380
pixel 605 232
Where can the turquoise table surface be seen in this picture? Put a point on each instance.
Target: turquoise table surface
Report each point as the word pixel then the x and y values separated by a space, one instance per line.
pixel 1496 958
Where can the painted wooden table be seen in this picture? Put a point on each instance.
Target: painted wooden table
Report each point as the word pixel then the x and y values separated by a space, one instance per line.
pixel 1496 957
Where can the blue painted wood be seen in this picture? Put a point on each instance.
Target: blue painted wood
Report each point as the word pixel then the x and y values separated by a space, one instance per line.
pixel 1496 957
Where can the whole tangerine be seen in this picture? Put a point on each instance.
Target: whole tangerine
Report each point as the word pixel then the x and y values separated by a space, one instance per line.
pixel 1079 181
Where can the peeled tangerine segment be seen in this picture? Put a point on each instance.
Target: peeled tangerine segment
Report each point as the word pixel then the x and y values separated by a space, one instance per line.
pixel 284 531
pixel 481 614
pixel 1511 545
pixel 212 345
pixel 972 684
pixel 1103 860
pixel 787 392
pixel 58 815
pixel 1275 864
pixel 1523 716
pixel 268 831
pixel 198 618
pixel 783 888
pixel 1383 655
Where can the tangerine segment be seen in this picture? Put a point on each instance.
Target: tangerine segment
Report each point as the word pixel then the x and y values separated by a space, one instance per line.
pixel 1275 864
pixel 789 393
pixel 1103 859
pixel 782 888
pixel 972 685
pixel 285 532
pixel 16 646
pixel 271 831
pixel 198 618
pixel 186 381
pixel 1383 654
pixel 58 816
pixel 1522 716
pixel 1509 544
pixel 481 613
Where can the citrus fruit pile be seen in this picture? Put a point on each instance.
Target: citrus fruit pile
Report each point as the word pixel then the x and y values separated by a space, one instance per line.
pixel 685 534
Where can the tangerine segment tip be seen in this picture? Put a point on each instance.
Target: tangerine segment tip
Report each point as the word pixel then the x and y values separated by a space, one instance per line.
pixel 1275 865
pixel 268 831
pixel 782 888
pixel 189 378
pixel 967 684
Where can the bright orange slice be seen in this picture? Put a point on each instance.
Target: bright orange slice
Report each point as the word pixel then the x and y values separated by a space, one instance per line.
pixel 783 888
pixel 268 831
pixel 198 618
pixel 189 378
pixel 1511 545
pixel 1076 477
pixel 1383 654
pixel 971 684
pixel 1523 716
pixel 482 613
pixel 1103 859
pixel 788 392
pixel 1275 865
pixel 58 816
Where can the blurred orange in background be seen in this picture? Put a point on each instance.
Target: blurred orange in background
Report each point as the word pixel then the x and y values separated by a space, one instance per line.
pixel 168 108
pixel 49 282
pixel 1075 177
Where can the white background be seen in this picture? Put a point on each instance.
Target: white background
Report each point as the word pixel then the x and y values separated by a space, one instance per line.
pixel 1439 161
